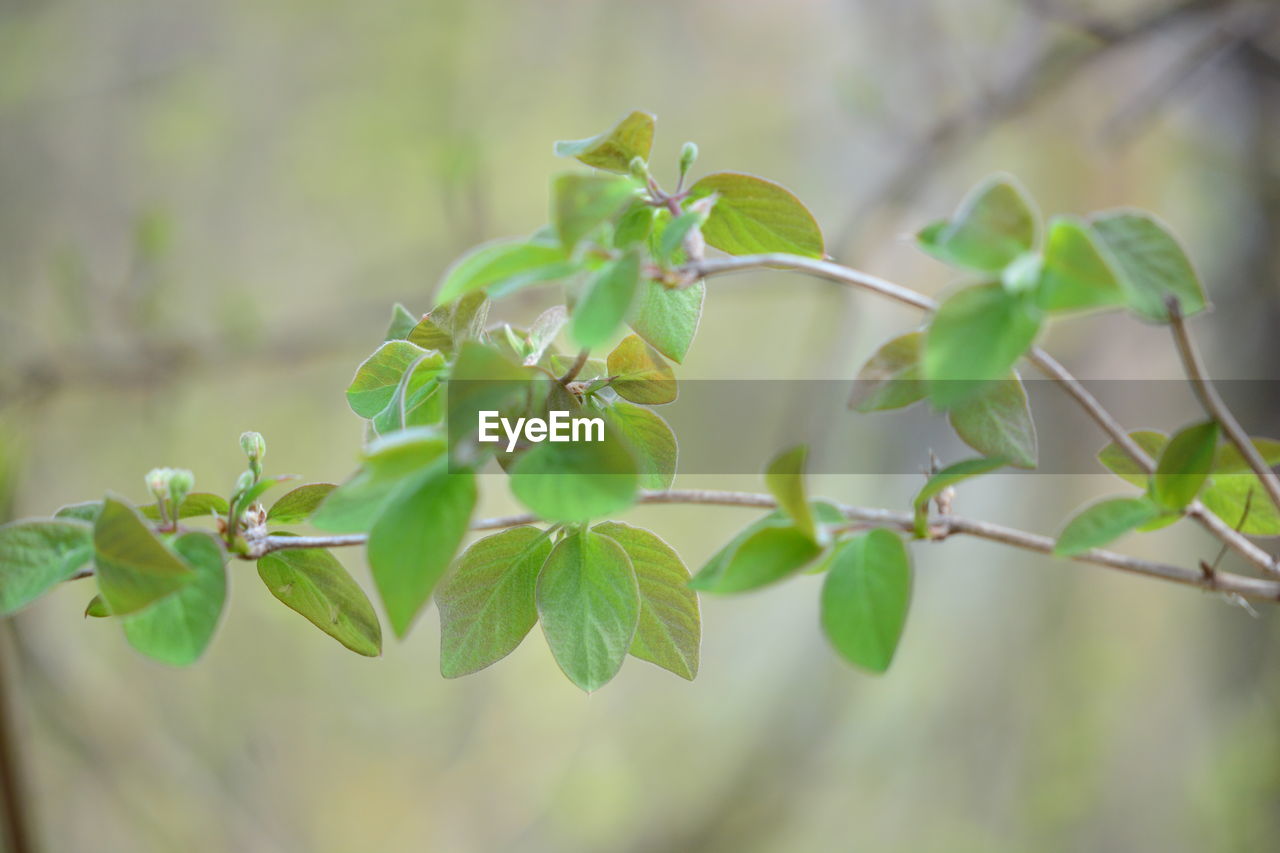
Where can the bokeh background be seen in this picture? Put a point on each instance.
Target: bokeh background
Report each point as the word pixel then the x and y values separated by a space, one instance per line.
pixel 206 210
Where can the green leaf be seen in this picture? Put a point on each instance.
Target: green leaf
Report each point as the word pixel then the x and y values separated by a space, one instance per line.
pixel 502 267
pixel 614 149
pixel 671 243
pixel 402 323
pixel 417 400
pixel 134 568
pixel 36 556
pixel 1102 523
pixel 994 224
pixel 669 631
pixel 946 478
pixel 1119 463
pixel 245 499
pixel 487 602
pixel 652 444
pixel 753 215
pixel 1076 274
pixel 976 336
pixel 1184 465
pixel 1229 460
pixel 178 628
pixel 414 540
pixel 891 378
pixel 314 584
pixel 582 203
pixel 605 302
pixel 378 377
pixel 96 608
pixel 576 481
pixel 589 605
pixel 635 225
pixel 865 598
pixel 640 374
pixel 1151 263
pixel 295 506
pixel 392 465
pixel 667 317
pixel 543 332
pixel 482 379
pixel 764 552
pixel 83 511
pixel 997 422
pixel 193 505
pixel 785 481
pixel 451 323
pixel 1241 501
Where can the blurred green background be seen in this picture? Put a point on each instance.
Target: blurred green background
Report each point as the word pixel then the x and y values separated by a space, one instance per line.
pixel 206 211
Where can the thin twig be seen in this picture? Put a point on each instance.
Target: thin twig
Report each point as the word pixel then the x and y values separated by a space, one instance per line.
pixel 1041 359
pixel 1215 407
pixel 575 368
pixel 940 528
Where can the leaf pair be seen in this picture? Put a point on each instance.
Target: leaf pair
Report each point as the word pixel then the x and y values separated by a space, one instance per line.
pixel 600 594
pixel 1182 468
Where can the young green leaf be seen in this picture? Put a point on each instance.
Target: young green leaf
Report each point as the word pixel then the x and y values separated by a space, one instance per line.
pixel 997 422
pixel 640 374
pixel 392 465
pixel 652 444
pixel 487 602
pixel 178 628
pixel 378 377
pixel 482 379
pixel 1184 465
pixel 1119 463
pixel 764 552
pixel 671 243
pixel 606 301
pixel 753 215
pixel 501 268
pixel 417 400
pixel 1230 461
pixel 614 149
pixel 976 336
pixel 83 511
pixel 134 568
pixel 451 323
pixel 1102 523
pixel 1241 501
pixel 314 584
pixel 402 323
pixel 1076 274
pixel 891 378
pixel 865 598
pixel 582 203
pixel 667 317
pixel 36 556
pixel 1151 263
pixel 414 540
pixel 589 605
pixel 576 481
pixel 995 223
pixel 543 331
pixel 669 631
pixel 946 478
pixel 295 506
pixel 635 225
pixel 785 481
pixel 96 608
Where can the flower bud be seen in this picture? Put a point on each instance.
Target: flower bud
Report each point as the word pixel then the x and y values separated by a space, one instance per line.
pixel 158 480
pixel 688 156
pixel 181 482
pixel 253 445
pixel 639 168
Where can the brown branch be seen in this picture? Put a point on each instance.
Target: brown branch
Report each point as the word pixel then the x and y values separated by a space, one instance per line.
pixel 1215 407
pixel 1041 359
pixel 575 368
pixel 940 528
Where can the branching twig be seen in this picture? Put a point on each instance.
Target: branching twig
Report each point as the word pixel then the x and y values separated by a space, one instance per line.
pixel 940 528
pixel 1215 407
pixel 1041 359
